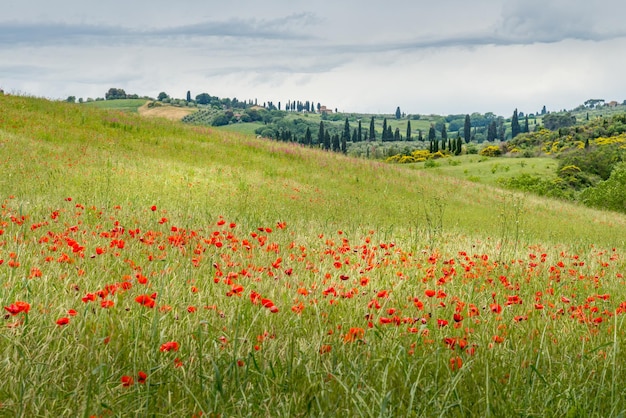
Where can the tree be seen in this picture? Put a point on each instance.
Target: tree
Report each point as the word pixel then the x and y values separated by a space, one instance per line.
pixel 359 134
pixel 321 135
pixel 346 130
pixel 114 94
pixel 515 128
pixel 467 129
pixel 459 145
pixel 526 127
pixel 398 113
pixel 432 134
pixel 326 140
pixel 372 130
pixel 203 99
pixel 408 130
pixel 307 137
pixel 71 99
pixel 396 135
pixel 188 96
pixel 344 145
pixel 419 136
pixel 385 138
pixel 444 133
pixel 162 96
pixel 336 143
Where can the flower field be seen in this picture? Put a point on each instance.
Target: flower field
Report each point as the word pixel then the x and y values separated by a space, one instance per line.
pixel 135 283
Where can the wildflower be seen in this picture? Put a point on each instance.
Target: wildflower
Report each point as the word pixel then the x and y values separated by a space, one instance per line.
pixel 127 381
pixel 142 377
pixel 18 307
pixel 63 321
pixel 430 293
pixel 456 363
pixel 169 346
pixel 145 300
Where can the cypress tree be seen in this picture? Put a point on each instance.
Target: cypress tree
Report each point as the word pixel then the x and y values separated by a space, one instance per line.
pixel 385 130
pixel 396 135
pixel 491 132
pixel 467 129
pixel 408 131
pixel 515 128
pixel 320 135
pixel 326 140
pixel 188 96
pixel 359 133
pixel 346 129
pixel 398 113
pixel 526 127
pixel 336 143
pixel 372 130
pixel 355 136
pixel 307 137
pixel 444 136
pixel 344 145
pixel 389 134
pixel 459 145
pixel 419 136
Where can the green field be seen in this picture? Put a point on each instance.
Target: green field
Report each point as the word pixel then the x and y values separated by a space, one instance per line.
pixel 124 105
pixel 151 268
pixel 487 170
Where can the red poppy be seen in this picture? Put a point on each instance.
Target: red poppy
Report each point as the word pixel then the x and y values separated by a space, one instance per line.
pixel 153 208
pixel 63 321
pixel 145 300
pixel 169 346
pixel 127 381
pixel 17 307
pixel 142 377
pixel 430 293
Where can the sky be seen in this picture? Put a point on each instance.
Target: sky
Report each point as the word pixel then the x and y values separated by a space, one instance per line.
pixel 366 56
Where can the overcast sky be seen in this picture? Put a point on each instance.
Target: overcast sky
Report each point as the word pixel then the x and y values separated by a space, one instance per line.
pixel 435 56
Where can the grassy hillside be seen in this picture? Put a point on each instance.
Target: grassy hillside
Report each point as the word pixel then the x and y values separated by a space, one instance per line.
pixel 153 268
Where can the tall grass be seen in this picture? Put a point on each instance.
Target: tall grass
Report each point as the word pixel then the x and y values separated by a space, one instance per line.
pixel 343 254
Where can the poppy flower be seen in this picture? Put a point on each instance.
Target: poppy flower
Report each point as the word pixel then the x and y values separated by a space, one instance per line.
pixel 142 377
pixel 63 321
pixel 127 381
pixel 430 293
pixel 145 300
pixel 17 307
pixel 169 346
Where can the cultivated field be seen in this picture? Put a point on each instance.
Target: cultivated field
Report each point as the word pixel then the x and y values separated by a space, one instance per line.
pixel 154 269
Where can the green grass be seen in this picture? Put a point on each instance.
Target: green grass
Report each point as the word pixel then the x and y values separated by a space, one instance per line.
pixel 487 170
pixel 125 105
pixel 108 204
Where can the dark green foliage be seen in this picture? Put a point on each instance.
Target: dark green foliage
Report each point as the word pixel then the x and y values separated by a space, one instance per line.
pixel 307 137
pixel 320 135
pixel 408 131
pixel 609 194
pixel 188 96
pixel 396 135
pixel 384 135
pixel 398 113
pixel 372 136
pixel 515 127
pixel 459 145
pixel 359 132
pixel 555 121
pixel 336 144
pixel 346 129
pixel 491 132
pixel 114 94
pixel 326 141
pixel 467 129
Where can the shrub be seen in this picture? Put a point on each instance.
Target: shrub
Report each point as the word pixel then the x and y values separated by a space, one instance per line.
pixel 491 151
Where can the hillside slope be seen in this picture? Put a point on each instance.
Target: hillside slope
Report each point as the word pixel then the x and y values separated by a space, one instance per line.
pixel 258 180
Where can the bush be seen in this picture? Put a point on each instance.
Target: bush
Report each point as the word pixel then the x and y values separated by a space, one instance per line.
pixel 609 194
pixel 491 151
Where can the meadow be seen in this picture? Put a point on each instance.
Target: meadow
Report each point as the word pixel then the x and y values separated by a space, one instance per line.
pixel 155 269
